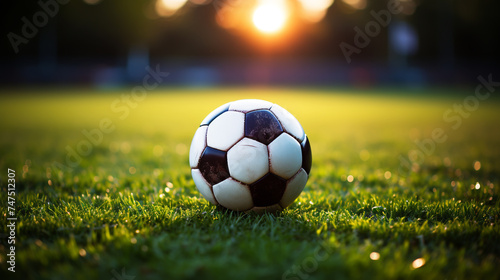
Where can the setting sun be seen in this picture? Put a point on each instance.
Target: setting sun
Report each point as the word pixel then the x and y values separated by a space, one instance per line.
pixel 270 17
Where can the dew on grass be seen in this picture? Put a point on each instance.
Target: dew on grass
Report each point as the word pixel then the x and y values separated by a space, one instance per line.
pixel 133 240
pixel 478 186
pixel 387 175
pixel 132 170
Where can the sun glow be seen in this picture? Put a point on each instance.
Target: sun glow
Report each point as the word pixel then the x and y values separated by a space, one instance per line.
pixel 270 16
pixel 315 10
pixel 168 8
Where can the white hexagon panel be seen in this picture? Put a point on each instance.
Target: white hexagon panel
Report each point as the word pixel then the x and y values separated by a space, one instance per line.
pixel 197 146
pixel 203 186
pixel 233 195
pixel 225 130
pixel 247 105
pixel 289 122
pixel 294 187
pixel 248 161
pixel 285 155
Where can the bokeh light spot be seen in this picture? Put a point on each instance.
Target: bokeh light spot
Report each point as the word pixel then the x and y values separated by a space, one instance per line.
pixel 270 16
pixel 82 252
pixel 418 263
pixel 350 178
pixel 167 8
pixel 315 10
pixel 356 4
pixel 374 256
pixel 477 165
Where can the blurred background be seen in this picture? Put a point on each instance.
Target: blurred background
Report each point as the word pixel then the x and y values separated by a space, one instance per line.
pixel 108 43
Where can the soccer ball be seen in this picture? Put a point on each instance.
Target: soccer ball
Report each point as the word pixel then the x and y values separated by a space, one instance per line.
pixel 250 155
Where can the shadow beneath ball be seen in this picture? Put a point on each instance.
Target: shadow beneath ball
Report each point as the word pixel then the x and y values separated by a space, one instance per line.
pixel 273 210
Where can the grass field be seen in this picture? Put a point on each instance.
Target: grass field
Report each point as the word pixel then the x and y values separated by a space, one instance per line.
pixel 125 207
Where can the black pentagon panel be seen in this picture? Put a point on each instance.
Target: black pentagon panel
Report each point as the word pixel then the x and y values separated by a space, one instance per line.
pixel 262 126
pixel 268 190
pixel 213 166
pixel 215 113
pixel 306 155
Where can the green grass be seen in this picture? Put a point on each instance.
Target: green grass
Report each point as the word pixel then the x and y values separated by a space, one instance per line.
pixel 131 207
